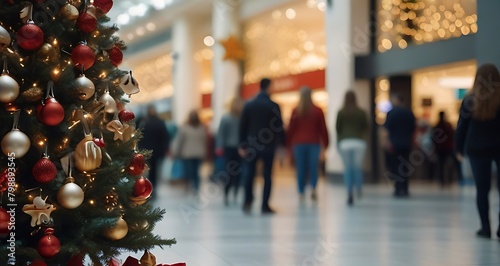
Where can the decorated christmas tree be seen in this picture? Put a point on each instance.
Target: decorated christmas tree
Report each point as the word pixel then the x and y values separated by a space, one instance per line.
pixel 71 182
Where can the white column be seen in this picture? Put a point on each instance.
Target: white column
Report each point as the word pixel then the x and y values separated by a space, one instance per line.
pixel 186 71
pixel 226 73
pixel 339 71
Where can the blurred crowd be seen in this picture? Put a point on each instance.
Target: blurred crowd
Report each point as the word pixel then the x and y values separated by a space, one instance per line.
pixel 253 131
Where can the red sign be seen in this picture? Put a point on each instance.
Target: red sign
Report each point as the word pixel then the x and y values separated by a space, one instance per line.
pixel 314 80
pixel 206 101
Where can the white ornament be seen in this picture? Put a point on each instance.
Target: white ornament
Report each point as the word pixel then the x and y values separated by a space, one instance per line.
pixel 129 84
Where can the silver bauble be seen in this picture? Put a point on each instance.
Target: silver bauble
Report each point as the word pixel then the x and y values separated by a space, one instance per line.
pixel 85 87
pixel 109 103
pixel 15 144
pixel 70 196
pixel 5 38
pixel 9 89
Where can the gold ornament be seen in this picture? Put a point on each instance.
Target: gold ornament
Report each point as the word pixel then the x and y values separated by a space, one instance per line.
pixel 71 195
pixel 75 3
pixel 234 49
pixel 118 232
pixel 49 53
pixel 139 200
pixel 69 12
pixel 88 155
pixel 39 211
pixel 148 259
pixel 128 133
pixel 118 128
pixel 34 94
pixel 139 226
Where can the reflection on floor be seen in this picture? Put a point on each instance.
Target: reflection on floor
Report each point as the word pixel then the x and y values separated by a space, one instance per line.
pixel 433 227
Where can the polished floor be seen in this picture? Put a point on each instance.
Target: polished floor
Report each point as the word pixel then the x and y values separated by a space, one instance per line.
pixel 433 227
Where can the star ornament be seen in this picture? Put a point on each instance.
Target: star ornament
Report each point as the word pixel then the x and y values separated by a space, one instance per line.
pixel 234 49
pixel 39 211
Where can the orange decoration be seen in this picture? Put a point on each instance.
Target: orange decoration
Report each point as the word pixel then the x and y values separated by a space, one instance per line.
pixel 234 49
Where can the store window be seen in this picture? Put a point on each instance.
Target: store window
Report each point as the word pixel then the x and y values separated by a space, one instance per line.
pixel 155 79
pixel 408 22
pixel 285 41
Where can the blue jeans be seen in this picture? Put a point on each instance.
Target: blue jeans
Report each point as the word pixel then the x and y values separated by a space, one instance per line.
pixel 192 172
pixel 307 163
pixel 352 152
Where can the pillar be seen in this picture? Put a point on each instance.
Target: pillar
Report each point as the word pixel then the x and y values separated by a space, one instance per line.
pixel 227 74
pixel 186 71
pixel 339 71
pixel 487 39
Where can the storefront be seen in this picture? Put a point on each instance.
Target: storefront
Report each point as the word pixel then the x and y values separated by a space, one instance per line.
pixel 287 44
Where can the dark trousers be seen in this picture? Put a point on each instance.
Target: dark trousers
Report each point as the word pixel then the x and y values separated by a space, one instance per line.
pixel 192 172
pixel 481 169
pixel 268 159
pixel 443 158
pixel 154 162
pixel 401 169
pixel 232 160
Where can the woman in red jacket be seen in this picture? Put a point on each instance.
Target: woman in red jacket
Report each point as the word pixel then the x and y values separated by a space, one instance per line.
pixel 306 133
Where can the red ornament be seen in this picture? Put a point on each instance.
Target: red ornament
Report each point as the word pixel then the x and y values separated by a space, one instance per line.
pixel 137 164
pixel 143 188
pixel 104 5
pixel 76 260
pixel 30 37
pixel 115 56
pixel 48 246
pixel 51 112
pixel 4 180
pixel 99 142
pixel 126 115
pixel 130 261
pixel 87 22
pixel 4 222
pixel 38 263
pixel 44 171
pixel 84 56
pixel 113 262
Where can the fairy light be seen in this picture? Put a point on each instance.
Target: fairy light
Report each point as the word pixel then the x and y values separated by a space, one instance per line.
pixel 55 42
pixel 91 202
pixel 41 143
pixel 423 22
pixel 56 71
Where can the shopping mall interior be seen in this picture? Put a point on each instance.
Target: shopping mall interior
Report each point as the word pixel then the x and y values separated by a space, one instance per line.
pixel 198 54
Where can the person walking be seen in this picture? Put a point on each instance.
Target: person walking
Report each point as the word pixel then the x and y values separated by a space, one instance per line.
pixel 352 127
pixel 155 138
pixel 190 146
pixel 477 137
pixel 445 147
pixel 306 134
pixel 261 131
pixel 227 146
pixel 400 127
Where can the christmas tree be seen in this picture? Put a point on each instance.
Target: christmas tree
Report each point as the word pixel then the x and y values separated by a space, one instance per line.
pixel 71 174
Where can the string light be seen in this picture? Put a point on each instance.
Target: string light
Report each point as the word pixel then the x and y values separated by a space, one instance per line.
pixel 422 22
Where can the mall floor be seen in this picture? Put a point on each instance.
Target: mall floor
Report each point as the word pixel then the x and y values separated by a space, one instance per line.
pixel 433 227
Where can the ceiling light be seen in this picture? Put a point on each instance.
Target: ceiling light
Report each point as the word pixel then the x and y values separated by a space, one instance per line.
pixel 209 41
pixel 151 26
pixel 139 10
pixel 123 19
pixel 140 31
pixel 161 4
pixel 456 82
